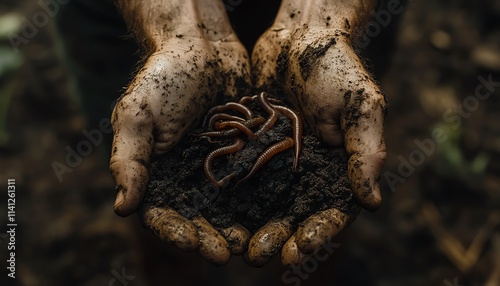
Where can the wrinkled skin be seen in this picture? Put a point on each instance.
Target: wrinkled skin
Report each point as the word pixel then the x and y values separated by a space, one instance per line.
pixel 332 90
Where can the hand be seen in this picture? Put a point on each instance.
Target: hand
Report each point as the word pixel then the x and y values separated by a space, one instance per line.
pixel 308 54
pixel 190 65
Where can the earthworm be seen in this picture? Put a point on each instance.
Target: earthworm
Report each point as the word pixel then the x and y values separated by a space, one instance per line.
pixel 228 106
pixel 275 101
pixel 246 99
pixel 207 166
pixel 267 155
pixel 256 121
pixel 222 116
pixel 238 125
pixel 263 100
pixel 297 131
pixel 273 115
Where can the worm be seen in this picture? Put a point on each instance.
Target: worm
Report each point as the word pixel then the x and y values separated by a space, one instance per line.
pixel 222 116
pixel 230 106
pixel 267 155
pixel 297 131
pixel 238 125
pixel 273 115
pixel 246 99
pixel 256 121
pixel 207 166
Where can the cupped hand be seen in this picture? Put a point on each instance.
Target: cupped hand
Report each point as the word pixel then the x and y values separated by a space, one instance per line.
pixel 183 76
pixel 308 54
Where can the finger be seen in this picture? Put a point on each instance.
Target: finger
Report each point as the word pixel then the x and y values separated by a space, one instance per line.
pixel 290 254
pixel 170 226
pixel 267 242
pixel 319 229
pixel 132 145
pixel 363 124
pixel 237 236
pixel 213 247
pixel 330 131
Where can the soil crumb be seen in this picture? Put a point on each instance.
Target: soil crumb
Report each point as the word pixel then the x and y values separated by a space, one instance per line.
pixel 320 181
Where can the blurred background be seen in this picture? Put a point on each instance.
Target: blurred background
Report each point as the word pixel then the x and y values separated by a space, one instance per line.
pixel 439 224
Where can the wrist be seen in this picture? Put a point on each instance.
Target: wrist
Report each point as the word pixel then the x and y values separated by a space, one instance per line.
pixel 155 22
pixel 341 15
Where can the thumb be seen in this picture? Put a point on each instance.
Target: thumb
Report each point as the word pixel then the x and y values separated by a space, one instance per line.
pixel 363 123
pixel 132 147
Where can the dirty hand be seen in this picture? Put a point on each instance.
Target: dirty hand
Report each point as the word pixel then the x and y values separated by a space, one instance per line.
pixel 308 54
pixel 194 56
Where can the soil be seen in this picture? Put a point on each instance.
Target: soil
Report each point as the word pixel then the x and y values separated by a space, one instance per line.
pixel 276 191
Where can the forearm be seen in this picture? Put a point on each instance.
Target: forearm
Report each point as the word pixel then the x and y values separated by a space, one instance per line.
pixel 154 21
pixel 327 14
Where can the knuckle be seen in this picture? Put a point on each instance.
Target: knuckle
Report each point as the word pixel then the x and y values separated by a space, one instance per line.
pixel 378 99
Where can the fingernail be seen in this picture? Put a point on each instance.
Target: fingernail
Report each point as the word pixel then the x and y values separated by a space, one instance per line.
pixel 119 199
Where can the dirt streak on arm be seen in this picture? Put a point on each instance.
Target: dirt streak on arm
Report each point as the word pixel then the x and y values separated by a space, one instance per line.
pixel 155 21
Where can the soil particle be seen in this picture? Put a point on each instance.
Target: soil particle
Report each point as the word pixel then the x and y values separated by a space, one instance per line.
pixel 354 108
pixel 308 58
pixel 347 25
pixel 320 181
pixel 282 62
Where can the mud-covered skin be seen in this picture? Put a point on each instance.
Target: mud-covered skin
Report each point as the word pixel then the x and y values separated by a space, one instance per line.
pixel 268 241
pixel 237 236
pixel 171 227
pixel 308 55
pixel 194 60
pixel 185 73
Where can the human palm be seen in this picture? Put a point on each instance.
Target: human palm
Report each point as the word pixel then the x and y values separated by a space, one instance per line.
pixel 318 70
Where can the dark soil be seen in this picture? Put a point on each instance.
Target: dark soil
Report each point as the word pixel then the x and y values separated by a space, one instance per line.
pixel 320 181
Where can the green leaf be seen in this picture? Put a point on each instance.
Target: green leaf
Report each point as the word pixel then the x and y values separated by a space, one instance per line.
pixel 9 60
pixel 479 163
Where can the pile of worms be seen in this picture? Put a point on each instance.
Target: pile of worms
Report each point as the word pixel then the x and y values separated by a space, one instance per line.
pixel 224 125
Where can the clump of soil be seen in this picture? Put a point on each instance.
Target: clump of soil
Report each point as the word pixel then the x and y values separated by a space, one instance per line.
pixel 320 181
